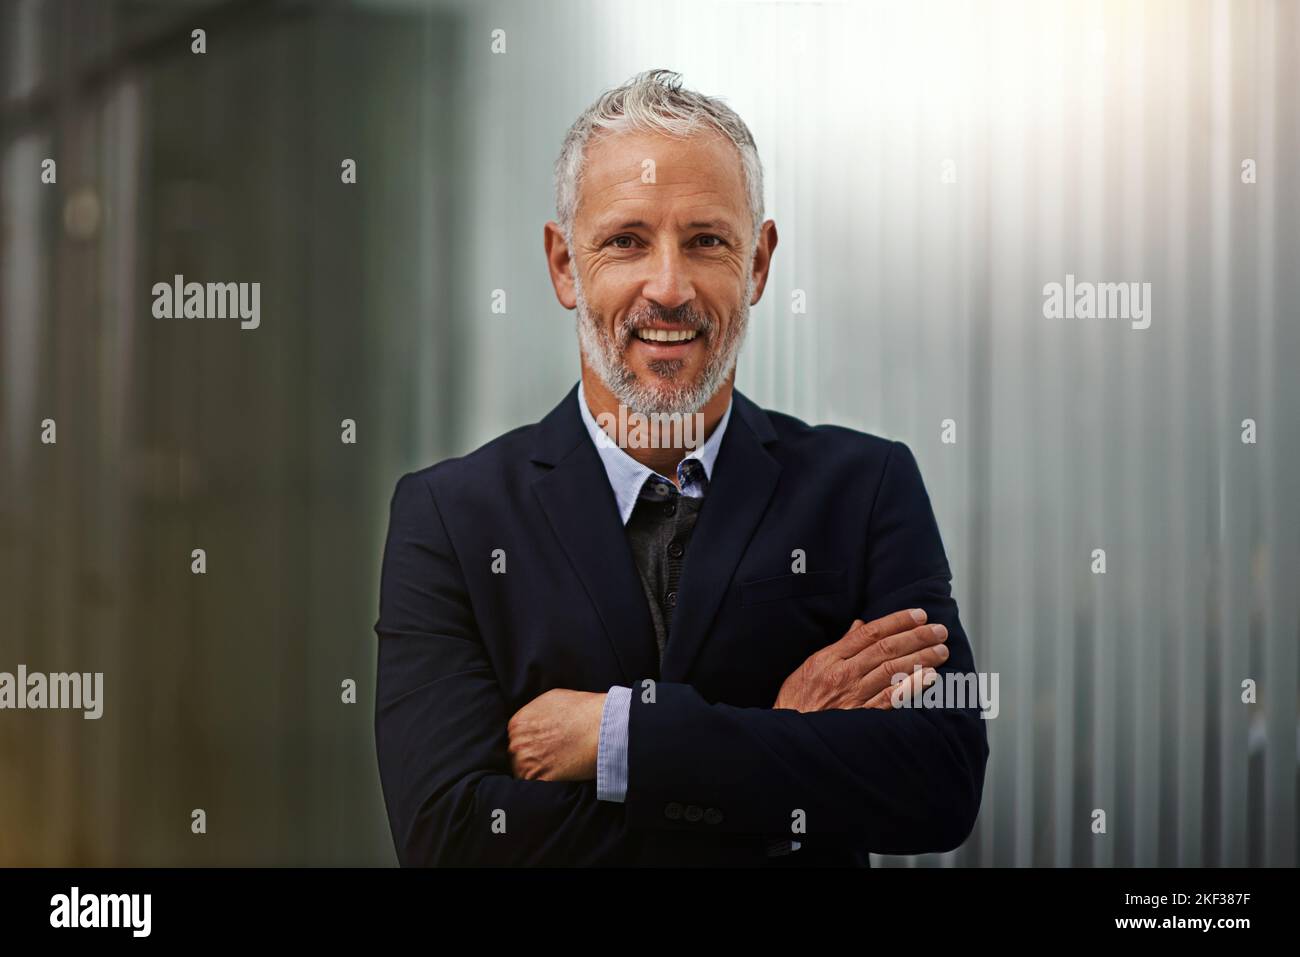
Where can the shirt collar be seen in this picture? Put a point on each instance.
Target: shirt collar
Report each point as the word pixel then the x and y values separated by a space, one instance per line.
pixel 627 475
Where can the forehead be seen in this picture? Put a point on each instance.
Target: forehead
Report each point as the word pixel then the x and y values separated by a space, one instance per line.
pixel 699 170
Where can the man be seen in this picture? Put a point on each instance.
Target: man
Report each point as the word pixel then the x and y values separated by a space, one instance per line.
pixel 601 655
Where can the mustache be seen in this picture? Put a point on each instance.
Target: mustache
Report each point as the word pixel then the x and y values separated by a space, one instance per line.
pixel 684 315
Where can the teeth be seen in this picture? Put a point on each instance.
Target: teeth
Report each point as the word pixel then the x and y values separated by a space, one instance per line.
pixel 667 335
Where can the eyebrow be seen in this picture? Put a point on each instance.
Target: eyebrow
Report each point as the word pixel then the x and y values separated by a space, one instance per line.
pixel 715 224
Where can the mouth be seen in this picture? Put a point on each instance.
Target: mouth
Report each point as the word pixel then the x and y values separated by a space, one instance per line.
pixel 663 343
pixel 666 335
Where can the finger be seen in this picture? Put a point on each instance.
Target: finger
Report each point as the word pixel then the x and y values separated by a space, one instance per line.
pixel 863 635
pixel 879 679
pixel 911 687
pixel 896 647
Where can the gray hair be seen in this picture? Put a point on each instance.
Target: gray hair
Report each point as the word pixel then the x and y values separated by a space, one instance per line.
pixel 653 102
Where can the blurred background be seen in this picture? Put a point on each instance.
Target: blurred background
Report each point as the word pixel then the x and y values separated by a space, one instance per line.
pixel 930 168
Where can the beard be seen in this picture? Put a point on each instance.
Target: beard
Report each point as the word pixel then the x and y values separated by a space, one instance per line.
pixel 670 389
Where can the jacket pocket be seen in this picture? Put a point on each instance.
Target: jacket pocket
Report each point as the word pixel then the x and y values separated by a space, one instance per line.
pixel 791 586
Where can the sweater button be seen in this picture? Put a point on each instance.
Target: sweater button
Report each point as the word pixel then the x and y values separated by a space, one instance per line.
pixel 676 550
pixel 673 811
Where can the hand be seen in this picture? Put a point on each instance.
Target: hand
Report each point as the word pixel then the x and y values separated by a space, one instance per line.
pixel 554 736
pixel 856 671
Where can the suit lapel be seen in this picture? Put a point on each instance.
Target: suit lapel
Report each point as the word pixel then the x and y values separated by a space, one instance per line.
pixel 576 497
pixel 744 477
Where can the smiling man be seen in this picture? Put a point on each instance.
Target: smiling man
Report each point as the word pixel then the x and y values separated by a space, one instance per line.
pixel 593 652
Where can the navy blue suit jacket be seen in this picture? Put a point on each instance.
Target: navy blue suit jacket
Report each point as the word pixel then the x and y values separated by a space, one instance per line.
pixel 462 647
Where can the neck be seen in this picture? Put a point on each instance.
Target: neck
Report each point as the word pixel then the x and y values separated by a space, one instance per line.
pixel 600 401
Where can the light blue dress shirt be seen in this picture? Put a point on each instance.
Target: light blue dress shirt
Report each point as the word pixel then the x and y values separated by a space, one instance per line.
pixel 626 477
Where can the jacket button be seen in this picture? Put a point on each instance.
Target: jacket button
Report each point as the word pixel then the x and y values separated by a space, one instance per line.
pixel 676 550
pixel 712 815
pixel 673 811
pixel 694 812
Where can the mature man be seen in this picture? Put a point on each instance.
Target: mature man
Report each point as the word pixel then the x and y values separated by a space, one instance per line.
pixel 595 652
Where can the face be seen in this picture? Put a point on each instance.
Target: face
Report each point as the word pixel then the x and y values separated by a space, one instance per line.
pixel 664 272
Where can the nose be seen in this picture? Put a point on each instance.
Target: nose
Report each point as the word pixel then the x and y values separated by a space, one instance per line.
pixel 669 285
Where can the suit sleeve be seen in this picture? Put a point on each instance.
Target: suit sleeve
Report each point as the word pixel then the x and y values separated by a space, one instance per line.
pixel 441 720
pixel 904 781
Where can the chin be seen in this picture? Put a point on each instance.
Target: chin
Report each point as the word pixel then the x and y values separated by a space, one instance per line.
pixel 671 401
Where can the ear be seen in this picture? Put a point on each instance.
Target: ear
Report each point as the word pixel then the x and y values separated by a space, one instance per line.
pixel 763 258
pixel 560 263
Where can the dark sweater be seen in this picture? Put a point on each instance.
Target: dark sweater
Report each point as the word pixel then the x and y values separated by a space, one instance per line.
pixel 659 531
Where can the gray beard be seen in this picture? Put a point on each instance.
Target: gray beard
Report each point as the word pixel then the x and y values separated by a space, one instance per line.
pixel 667 394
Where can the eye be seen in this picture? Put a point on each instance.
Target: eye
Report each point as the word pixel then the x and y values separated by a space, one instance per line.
pixel 622 242
pixel 717 243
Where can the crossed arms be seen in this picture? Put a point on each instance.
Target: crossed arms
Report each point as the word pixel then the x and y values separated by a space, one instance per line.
pixel 467 783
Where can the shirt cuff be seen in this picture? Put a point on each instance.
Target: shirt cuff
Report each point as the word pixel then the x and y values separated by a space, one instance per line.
pixel 611 749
